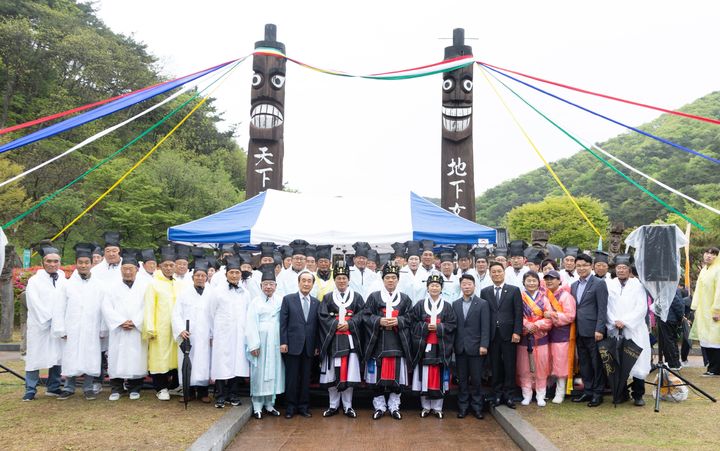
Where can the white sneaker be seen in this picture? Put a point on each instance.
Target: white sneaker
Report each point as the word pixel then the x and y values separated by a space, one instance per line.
pixel 134 396
pixel 97 387
pixel 541 401
pixel 558 399
pixel 114 396
pixel 526 401
pixel 163 395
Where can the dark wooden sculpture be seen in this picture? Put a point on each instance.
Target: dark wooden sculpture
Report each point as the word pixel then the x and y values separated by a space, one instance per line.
pixel 458 187
pixel 267 117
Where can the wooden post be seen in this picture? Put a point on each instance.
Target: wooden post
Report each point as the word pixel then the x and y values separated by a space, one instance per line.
pixel 457 167
pixel 266 149
pixel 7 298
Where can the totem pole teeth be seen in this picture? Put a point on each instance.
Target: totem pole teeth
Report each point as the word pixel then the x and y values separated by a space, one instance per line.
pixel 266 116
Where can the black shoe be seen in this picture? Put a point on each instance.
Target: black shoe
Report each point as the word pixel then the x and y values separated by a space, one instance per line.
pixel 378 414
pixel 595 401
pixel 582 398
pixel 350 413
pixel 330 412
pixel 219 404
pixel 65 395
pixel 438 414
pixel 289 414
pixel 273 412
pixel 479 415
pixel 510 403
pixel 54 393
pixel 235 402
pixel 639 402
pixel 396 414
pixel 496 401
pixel 424 413
pixel 462 414
pixel 257 415
pixel 306 414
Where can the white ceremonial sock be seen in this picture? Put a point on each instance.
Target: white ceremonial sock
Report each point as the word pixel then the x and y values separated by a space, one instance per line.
pixel 334 397
pixel 527 396
pixel 347 398
pixel 394 401
pixel 560 390
pixel 379 403
pixel 540 395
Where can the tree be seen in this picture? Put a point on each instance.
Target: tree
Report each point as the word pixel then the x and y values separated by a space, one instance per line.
pixel 558 215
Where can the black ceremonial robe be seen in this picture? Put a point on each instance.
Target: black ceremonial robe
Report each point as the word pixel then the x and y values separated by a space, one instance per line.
pixel 335 344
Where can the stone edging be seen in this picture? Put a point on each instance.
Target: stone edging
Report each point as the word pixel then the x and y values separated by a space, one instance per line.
pixel 224 430
pixel 520 431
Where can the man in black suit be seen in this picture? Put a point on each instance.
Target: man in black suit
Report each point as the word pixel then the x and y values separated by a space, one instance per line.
pixel 472 340
pixel 298 343
pixel 591 315
pixel 506 317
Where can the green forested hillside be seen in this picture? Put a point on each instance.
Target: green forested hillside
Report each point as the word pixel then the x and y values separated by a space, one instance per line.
pixel 56 55
pixel 586 176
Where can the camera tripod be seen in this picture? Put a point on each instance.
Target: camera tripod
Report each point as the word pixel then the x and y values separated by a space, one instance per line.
pixel 4 369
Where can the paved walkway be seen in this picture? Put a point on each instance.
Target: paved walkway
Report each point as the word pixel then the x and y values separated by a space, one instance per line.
pixel 412 432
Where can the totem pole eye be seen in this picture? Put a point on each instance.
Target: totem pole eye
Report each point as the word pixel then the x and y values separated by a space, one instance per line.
pixel 256 80
pixel 448 84
pixel 467 85
pixel 278 80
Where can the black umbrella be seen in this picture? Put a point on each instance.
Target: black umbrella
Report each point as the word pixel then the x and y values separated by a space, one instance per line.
pixel 186 365
pixel 531 356
pixel 609 349
pixel 629 354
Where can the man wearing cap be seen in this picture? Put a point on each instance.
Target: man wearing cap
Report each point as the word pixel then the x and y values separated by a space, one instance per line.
pixel 590 319
pixel 298 343
pixel 472 341
pixel 433 335
pixel 310 259
pixel 601 265
pixel 481 274
pixel 183 275
pixel 427 261
pixel 361 277
pixel 340 322
pixel 324 282
pixel 228 312
pixel 464 260
pixel 373 258
pixel 517 269
pixel 160 299
pixel 149 264
pixel 123 313
pixel 451 282
pixel 562 334
pixel 287 282
pixel 97 255
pixel 506 320
pixel 44 290
pixel 193 308
pixel 109 269
pixel 77 319
pixel 626 311
pixel 226 250
pixel 568 273
pixel 411 282
pixel 267 372
pixel 388 322
pixel 398 255
pixel 267 253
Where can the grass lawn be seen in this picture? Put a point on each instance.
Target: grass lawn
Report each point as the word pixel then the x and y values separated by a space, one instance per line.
pixel 691 424
pixel 76 424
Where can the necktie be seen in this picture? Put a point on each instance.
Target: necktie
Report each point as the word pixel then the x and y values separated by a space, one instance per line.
pixel 306 307
pixel 497 295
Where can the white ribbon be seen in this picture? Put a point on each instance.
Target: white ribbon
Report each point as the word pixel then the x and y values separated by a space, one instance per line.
pixel 343 304
pixel 389 302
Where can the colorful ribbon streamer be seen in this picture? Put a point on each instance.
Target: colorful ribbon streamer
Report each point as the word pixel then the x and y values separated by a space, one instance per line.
pixel 607 163
pixel 547 165
pixel 637 130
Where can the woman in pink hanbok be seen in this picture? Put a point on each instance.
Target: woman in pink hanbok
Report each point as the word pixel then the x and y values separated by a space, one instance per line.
pixel 562 335
pixel 533 354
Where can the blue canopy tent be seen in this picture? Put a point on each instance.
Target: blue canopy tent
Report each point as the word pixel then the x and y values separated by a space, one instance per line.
pixel 382 219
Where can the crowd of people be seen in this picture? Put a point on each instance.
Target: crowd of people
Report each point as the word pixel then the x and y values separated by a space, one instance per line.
pixel 410 321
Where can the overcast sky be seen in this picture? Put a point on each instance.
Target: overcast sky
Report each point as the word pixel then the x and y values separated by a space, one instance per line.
pixel 347 135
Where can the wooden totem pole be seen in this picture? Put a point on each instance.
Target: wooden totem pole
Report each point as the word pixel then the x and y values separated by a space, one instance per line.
pixel 267 116
pixel 458 182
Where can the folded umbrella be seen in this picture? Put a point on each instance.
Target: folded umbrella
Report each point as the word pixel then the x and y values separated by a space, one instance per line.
pixel 609 349
pixel 186 365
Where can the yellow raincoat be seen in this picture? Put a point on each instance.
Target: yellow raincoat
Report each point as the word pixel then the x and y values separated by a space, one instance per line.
pixel 706 302
pixel 160 299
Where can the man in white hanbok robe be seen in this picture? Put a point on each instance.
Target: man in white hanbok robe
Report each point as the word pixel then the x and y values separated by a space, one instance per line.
pixel 362 278
pixel 626 311
pixel 123 312
pixel 77 319
pixel 267 372
pixel 287 280
pixel 451 282
pixel 193 307
pixel 228 312
pixel 44 350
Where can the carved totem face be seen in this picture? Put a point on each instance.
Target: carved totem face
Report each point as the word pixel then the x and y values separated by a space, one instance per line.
pixel 615 241
pixel 457 103
pixel 267 98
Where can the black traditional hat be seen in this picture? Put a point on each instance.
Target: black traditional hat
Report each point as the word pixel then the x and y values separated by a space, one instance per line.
pixel 268 272
pixel 201 264
pixel 372 255
pixel 277 258
pixel 232 262
pixel 413 249
pixel 97 250
pixel 167 253
pixel 182 252
pixel 571 251
pixel 46 248
pixel 500 252
pixel 434 278
pixel 390 268
pixel 227 247
pixel 197 252
pixel 462 251
pixel 245 257
pixel 324 251
pixel 84 250
pixel 148 255
pixel 286 251
pixel 298 247
pixel 398 250
pixel 428 245
pixel 601 256
pixel 481 252
pixel 447 255
pixel 341 269
pixel 361 249
pixel 311 251
pixel 111 238
pixel 623 259
pixel 536 256
pixel 129 256
pixel 383 259
pixel 517 248
pixel 267 249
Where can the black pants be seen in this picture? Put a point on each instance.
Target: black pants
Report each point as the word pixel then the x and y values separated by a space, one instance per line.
pixel 685 350
pixel 591 369
pixel 103 368
pixel 667 343
pixel 470 393
pixel 502 358
pixel 713 358
pixel 227 389
pixel 133 385
pixel 297 381
pixel 167 380
pixel 637 387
